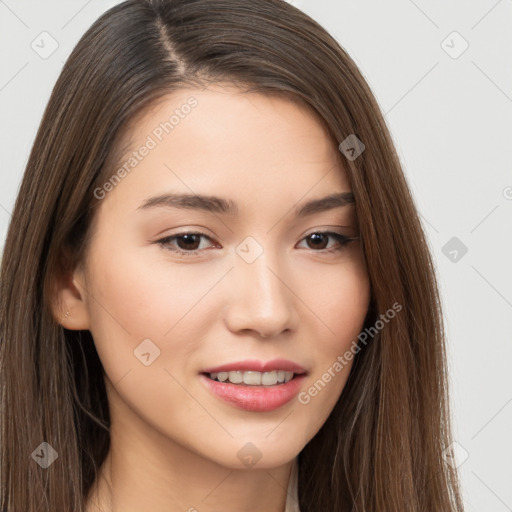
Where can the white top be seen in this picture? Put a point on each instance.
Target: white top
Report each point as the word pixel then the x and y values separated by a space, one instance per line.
pixel 292 496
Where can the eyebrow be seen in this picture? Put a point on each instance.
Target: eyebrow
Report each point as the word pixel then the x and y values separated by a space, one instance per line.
pixel 220 205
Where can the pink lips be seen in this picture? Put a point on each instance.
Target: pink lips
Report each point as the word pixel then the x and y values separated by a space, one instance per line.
pixel 258 366
pixel 256 398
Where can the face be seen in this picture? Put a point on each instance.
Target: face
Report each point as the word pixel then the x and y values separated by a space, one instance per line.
pixel 255 281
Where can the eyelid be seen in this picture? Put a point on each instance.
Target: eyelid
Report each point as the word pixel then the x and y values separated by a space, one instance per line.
pixel 327 228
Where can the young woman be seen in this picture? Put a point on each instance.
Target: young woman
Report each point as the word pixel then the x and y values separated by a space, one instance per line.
pixel 215 292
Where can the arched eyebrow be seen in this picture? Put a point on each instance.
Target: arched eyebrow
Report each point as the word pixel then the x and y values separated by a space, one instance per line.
pixel 325 203
pixel 215 204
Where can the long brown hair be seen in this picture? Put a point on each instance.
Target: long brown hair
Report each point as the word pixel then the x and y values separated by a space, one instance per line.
pixel 381 447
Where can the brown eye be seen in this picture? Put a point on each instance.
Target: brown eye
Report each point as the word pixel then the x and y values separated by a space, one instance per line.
pixel 318 241
pixel 190 242
pixel 187 244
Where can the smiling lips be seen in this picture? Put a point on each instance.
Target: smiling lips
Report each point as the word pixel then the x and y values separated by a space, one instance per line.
pixel 253 385
pixel 256 373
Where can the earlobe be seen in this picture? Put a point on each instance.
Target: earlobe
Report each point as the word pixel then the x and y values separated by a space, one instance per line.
pixel 69 305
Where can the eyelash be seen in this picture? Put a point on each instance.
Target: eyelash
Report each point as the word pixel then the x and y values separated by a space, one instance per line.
pixel 343 241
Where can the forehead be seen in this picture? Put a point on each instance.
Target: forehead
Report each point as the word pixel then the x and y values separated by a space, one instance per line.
pixel 222 139
pixel 228 117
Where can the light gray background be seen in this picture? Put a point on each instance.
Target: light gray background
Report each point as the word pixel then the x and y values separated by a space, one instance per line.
pixel 450 116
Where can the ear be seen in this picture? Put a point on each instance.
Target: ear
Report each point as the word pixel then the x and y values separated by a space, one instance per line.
pixel 69 303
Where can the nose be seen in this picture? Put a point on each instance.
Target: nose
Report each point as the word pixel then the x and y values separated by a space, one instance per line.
pixel 261 298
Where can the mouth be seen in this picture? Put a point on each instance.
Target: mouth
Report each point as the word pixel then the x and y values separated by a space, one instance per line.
pixel 253 378
pixel 252 390
pixel 255 372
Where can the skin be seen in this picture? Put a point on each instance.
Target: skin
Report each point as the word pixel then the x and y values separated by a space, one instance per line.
pixel 173 443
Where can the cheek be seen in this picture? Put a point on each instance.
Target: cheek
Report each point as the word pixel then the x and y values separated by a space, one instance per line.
pixel 145 329
pixel 339 297
pixel 131 301
pixel 341 304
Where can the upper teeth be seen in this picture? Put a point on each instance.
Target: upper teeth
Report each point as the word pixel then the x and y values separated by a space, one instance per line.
pixel 253 378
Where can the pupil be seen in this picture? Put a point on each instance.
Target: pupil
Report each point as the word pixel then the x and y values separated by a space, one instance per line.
pixel 317 237
pixel 188 240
